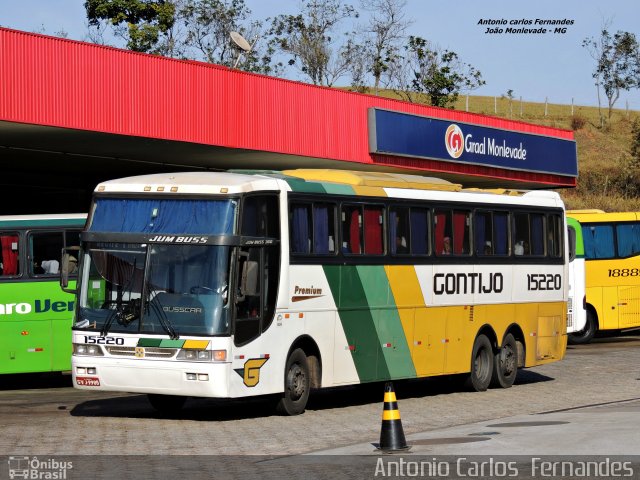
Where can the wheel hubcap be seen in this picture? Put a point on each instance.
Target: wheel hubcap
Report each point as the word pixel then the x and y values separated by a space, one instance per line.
pixel 297 381
pixel 507 360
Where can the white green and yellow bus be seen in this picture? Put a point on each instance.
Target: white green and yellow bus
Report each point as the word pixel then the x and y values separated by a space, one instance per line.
pixel 241 284
pixel 577 304
pixel 612 254
pixel 35 315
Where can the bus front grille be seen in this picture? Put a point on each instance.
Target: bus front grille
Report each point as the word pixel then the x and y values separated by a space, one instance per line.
pixel 149 352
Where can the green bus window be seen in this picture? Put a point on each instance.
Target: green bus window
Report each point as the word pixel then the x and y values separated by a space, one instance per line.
pixel 9 260
pixel 44 252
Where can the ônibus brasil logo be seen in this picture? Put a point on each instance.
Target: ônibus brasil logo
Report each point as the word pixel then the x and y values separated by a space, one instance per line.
pixel 454 141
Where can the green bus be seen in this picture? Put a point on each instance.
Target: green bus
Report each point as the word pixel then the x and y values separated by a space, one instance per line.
pixel 35 314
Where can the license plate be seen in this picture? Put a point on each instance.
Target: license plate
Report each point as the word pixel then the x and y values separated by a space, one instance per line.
pixel 88 381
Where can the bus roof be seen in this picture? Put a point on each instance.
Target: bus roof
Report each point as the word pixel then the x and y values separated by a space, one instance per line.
pixel 45 220
pixel 323 181
pixel 597 216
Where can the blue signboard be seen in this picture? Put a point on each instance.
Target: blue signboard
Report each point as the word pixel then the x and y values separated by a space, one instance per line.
pixel 407 135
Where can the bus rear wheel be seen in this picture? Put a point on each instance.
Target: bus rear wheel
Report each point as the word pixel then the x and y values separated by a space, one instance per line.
pixel 505 363
pixel 166 403
pixel 297 383
pixel 481 365
pixel 586 334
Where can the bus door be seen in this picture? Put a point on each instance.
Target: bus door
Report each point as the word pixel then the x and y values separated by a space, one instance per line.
pixel 628 275
pixel 256 288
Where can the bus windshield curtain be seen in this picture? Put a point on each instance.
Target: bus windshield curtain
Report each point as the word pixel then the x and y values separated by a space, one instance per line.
pixel 321 229
pixel 9 255
pixel 598 241
pixel 204 217
pixel 300 230
pixel 628 239
pixel 373 231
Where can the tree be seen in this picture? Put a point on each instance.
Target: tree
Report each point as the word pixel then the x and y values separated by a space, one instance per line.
pixel 438 74
pixel 308 39
pixel 617 64
pixel 383 36
pixel 141 23
pixel 209 23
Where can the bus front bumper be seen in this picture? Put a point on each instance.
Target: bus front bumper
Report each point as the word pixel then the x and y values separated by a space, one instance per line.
pixel 151 376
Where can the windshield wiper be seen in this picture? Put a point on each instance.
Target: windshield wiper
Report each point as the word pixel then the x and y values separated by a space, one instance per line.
pixel 125 312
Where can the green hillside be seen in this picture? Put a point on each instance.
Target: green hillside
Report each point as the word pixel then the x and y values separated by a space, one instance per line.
pixel 607 178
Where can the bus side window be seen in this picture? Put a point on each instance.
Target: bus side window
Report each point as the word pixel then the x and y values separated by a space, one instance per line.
pixel 628 237
pixel 324 228
pixel 598 241
pixel 300 226
pixel 420 231
pixel 554 236
pixel 260 216
pixel 9 258
pixel 248 297
pixel 443 232
pixel 399 230
pixel 44 252
pixel 351 229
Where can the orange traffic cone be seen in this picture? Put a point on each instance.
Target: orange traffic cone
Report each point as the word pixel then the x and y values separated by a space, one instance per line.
pixel 391 435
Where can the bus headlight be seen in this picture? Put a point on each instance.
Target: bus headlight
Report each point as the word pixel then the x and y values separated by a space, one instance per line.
pixel 202 355
pixel 87 350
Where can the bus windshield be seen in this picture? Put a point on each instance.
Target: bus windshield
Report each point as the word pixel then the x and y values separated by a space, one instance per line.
pixel 154 288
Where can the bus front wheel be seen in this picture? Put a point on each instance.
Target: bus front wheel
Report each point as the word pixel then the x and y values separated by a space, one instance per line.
pixel 586 334
pixel 296 384
pixel 505 363
pixel 481 365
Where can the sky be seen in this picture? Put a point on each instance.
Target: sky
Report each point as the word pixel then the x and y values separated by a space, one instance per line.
pixel 535 66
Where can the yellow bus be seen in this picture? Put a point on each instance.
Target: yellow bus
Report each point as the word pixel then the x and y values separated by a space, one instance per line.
pixel 612 253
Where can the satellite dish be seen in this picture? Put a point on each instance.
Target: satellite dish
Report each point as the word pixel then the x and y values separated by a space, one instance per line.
pixel 240 41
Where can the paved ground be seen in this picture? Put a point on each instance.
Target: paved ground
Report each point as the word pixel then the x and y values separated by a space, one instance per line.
pixel 42 415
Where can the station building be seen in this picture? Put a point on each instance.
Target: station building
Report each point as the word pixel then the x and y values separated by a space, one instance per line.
pixel 73 114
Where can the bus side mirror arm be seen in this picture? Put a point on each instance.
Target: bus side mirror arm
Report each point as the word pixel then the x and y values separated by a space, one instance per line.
pixel 65 262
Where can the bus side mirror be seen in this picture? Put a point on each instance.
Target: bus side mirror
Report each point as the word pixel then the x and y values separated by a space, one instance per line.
pixel 68 265
pixel 248 277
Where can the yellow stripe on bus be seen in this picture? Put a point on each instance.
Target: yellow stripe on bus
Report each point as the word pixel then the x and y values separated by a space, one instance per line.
pixel 195 344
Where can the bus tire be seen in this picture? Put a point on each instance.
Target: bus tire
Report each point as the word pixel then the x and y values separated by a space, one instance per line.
pixel 481 365
pixel 586 334
pixel 166 403
pixel 505 363
pixel 296 384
